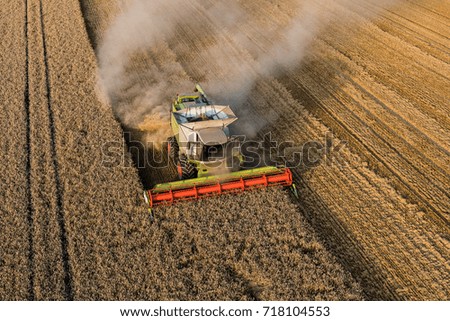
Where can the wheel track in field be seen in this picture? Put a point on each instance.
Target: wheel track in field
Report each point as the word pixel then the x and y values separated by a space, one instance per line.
pixel 409 35
pixel 31 294
pixel 40 138
pixel 59 190
pixel 427 162
pixel 325 113
pixel 443 49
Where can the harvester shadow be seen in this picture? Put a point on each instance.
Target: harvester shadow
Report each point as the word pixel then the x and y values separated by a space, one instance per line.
pixel 335 235
pixel 151 160
pixel 84 7
pixel 341 243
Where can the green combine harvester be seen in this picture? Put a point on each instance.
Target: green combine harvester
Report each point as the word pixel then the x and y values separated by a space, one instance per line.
pixel 209 161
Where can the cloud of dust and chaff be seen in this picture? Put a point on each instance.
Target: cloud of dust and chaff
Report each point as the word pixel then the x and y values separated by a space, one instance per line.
pixel 252 49
pixel 137 72
pixel 244 48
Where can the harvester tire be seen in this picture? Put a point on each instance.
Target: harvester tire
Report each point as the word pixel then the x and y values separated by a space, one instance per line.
pixel 173 149
pixel 185 169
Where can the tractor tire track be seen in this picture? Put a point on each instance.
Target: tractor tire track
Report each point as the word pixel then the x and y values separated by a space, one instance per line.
pixel 68 292
pixel 388 53
pixel 106 222
pixel 372 117
pixel 427 24
pixel 48 260
pixel 31 294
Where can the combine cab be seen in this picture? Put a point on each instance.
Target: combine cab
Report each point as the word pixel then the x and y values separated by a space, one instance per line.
pixel 209 161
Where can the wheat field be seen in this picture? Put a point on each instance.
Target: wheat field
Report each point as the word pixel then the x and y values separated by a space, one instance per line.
pixel 371 224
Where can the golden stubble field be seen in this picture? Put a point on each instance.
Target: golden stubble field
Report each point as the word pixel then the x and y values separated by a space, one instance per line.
pixel 372 226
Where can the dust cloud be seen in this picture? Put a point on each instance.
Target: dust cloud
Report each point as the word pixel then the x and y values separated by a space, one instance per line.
pixel 243 50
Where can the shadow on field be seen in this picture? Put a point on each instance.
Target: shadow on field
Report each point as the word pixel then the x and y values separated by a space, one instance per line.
pixel 335 236
pixel 340 241
pixel 153 164
pixel 86 13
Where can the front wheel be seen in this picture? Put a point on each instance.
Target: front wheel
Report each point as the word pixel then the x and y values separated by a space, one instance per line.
pixel 173 149
pixel 185 169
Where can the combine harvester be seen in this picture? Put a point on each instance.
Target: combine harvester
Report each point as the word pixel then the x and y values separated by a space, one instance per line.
pixel 209 160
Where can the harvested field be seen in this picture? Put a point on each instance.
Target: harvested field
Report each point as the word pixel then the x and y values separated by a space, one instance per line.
pixel 369 94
